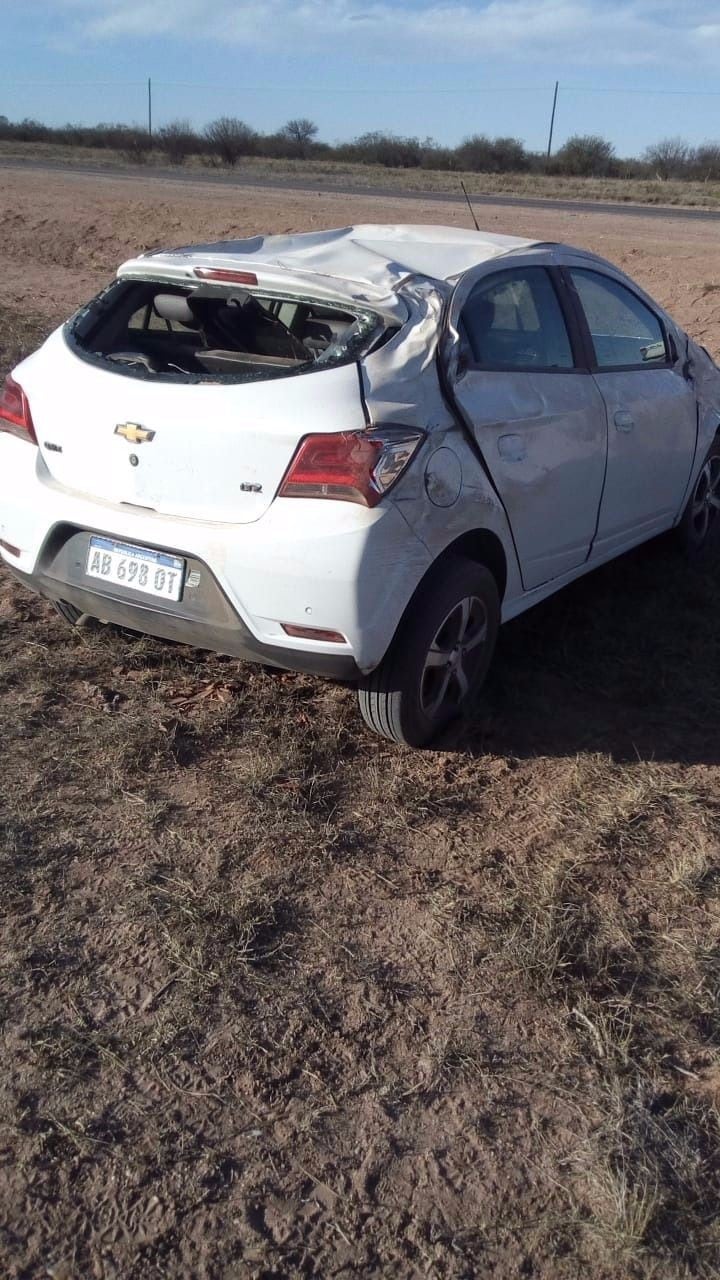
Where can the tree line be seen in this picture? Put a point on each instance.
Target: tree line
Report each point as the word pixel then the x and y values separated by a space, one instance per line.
pixel 227 140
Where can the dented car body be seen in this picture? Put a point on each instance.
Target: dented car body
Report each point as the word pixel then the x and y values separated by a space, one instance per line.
pixel 353 452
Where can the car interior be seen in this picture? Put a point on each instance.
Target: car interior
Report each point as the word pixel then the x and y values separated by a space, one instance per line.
pixel 515 322
pixel 215 330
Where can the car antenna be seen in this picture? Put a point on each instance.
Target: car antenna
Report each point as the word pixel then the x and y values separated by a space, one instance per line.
pixel 472 211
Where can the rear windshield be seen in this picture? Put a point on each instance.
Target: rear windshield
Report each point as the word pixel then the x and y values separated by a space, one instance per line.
pixel 217 333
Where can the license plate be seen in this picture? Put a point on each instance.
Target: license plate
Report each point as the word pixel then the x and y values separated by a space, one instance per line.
pixel 153 572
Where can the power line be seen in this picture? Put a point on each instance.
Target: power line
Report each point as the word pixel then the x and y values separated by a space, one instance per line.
pixel 74 84
pixel 464 90
pixel 660 93
pixel 308 88
pixel 270 88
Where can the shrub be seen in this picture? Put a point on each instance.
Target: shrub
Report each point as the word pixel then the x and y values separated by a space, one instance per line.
pixel 586 156
pixel 669 158
pixel 492 155
pixel 706 162
pixel 299 135
pixel 282 146
pixel 385 149
pixel 229 139
pixel 178 140
pixel 276 146
pixel 510 155
pixel 133 141
pixel 29 131
pixel 439 158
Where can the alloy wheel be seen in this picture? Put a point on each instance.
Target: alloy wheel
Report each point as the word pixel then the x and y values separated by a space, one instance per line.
pixel 454 658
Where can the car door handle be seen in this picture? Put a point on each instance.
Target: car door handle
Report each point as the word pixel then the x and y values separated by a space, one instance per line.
pixel 624 421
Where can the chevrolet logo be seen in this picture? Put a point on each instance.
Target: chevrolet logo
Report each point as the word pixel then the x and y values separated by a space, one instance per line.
pixel 134 433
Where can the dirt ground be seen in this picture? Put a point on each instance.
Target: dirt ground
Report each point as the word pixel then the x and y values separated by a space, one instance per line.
pixel 279 999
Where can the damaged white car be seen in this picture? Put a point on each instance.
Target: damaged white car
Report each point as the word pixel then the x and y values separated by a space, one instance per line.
pixel 353 453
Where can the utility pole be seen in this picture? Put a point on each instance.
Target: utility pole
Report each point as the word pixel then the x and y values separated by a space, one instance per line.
pixel 552 118
pixel 149 107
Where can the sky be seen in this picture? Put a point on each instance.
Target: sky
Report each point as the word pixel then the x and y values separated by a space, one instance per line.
pixel 634 71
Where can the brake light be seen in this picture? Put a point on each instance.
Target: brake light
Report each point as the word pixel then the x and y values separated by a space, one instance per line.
pixel 351 466
pixel 227 277
pixel 15 416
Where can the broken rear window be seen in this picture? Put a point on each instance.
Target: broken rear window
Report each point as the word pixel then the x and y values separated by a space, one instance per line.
pixel 214 333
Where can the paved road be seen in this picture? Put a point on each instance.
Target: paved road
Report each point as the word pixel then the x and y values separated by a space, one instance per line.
pixel 239 179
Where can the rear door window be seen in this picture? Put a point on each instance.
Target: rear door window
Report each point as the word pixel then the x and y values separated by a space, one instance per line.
pixel 513 320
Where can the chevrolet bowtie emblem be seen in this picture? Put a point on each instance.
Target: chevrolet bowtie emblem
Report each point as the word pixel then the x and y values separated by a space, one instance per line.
pixel 134 433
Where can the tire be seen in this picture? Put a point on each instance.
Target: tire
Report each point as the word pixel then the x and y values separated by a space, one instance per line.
pixel 699 525
pixel 429 677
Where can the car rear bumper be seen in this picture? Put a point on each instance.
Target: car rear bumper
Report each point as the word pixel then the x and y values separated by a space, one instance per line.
pixel 218 627
pixel 307 563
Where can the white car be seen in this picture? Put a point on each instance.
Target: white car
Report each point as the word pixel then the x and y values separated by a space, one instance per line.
pixel 355 452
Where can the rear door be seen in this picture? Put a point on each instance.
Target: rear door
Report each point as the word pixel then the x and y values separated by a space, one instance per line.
pixel 651 411
pixel 536 413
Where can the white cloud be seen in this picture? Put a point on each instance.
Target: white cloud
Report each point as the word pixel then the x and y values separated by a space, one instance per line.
pixel 586 32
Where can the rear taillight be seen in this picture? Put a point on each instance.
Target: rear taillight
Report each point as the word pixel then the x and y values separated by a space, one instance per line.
pixel 352 466
pixel 15 416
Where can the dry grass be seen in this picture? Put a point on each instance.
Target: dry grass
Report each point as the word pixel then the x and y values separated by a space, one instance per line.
pixel 279 999
pixel 334 173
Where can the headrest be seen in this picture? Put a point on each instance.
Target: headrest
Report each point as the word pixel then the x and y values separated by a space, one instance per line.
pixel 173 307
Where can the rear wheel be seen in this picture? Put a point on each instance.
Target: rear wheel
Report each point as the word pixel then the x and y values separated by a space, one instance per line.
pixel 439 657
pixel 699 525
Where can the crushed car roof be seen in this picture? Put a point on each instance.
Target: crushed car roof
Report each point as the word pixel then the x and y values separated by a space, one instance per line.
pixel 376 256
